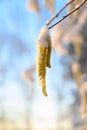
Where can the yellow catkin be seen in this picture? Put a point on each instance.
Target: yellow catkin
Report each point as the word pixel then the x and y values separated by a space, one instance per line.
pixel 48 64
pixel 41 67
pixel 44 87
pixel 43 57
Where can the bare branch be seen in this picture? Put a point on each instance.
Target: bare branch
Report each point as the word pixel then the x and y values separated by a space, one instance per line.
pixel 57 14
pixel 74 10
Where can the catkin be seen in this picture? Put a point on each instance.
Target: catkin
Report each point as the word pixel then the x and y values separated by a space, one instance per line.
pixel 77 73
pixel 77 2
pixel 49 4
pixel 32 5
pixel 84 105
pixel 43 57
pixel 49 56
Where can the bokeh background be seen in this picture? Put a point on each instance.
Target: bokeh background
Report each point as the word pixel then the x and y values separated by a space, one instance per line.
pixel 22 105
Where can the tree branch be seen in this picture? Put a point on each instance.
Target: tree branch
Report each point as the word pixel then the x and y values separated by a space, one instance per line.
pixel 74 10
pixel 57 14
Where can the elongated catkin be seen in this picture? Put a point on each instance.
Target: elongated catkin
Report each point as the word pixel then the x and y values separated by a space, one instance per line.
pixel 48 64
pixel 43 57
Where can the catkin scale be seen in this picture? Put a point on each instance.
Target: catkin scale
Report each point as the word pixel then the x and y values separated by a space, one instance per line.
pixel 43 57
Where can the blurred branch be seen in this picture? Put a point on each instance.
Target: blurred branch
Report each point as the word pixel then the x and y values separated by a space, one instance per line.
pixel 57 14
pixel 28 74
pixel 65 16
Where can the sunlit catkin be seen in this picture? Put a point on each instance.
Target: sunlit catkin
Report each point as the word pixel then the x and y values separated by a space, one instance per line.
pixel 84 105
pixel 43 57
pixel 49 56
pixel 77 2
pixel 49 4
pixel 52 6
pixel 77 74
pixel 32 5
pixel 77 49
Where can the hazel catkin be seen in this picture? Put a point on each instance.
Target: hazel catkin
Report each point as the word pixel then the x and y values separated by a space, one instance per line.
pixel 43 57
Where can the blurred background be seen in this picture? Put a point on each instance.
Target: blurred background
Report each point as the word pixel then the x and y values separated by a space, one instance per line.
pixel 22 105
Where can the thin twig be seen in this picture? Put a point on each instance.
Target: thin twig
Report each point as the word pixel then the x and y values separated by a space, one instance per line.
pixel 57 14
pixel 74 10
